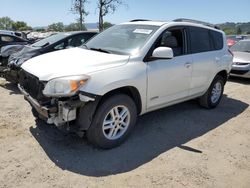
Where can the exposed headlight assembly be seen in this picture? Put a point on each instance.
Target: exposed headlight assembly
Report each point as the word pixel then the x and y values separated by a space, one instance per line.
pixel 64 86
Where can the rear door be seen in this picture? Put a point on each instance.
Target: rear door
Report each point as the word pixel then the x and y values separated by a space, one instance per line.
pixel 205 59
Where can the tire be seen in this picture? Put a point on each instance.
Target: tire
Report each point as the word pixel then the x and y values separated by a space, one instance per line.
pixel 112 122
pixel 213 95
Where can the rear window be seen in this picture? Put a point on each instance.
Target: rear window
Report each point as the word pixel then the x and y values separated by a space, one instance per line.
pixel 7 39
pixel 217 40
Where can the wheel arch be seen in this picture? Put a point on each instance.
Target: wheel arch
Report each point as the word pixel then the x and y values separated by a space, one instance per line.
pixel 131 91
pixel 223 74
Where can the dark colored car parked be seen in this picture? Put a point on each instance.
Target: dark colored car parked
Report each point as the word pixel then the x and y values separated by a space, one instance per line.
pixel 53 43
pixel 8 39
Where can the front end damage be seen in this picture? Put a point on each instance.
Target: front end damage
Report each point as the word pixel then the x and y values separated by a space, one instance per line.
pixel 75 112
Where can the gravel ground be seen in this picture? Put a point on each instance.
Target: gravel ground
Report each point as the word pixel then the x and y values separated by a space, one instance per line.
pixel 179 146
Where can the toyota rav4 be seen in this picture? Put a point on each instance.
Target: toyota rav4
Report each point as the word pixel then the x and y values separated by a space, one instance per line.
pixel 128 70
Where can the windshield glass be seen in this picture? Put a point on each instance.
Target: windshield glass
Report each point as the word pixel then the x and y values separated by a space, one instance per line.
pixel 241 46
pixel 122 39
pixel 49 40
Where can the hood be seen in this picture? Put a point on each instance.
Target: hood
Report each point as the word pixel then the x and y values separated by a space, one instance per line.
pixel 25 53
pixel 6 51
pixel 243 57
pixel 74 61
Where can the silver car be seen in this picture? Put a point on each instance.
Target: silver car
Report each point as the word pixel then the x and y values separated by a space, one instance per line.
pixel 241 61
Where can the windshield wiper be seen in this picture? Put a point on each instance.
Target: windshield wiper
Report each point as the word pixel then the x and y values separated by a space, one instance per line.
pixel 101 50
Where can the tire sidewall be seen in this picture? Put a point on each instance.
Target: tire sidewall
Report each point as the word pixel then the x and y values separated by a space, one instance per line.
pixel 95 132
pixel 216 80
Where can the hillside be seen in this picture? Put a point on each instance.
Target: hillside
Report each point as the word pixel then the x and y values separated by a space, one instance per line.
pixel 235 28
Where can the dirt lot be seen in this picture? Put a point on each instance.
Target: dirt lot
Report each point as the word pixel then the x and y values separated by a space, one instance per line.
pixel 180 146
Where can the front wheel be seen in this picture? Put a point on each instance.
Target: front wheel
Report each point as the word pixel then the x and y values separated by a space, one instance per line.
pixel 113 121
pixel 214 93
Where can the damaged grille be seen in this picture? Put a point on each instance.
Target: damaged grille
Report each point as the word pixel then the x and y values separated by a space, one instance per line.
pixel 33 87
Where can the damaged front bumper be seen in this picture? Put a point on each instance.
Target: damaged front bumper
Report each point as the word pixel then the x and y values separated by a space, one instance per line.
pixel 62 112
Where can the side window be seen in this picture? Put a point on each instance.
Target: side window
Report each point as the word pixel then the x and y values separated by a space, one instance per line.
pixel 60 46
pixel 16 39
pixel 76 41
pixel 7 39
pixel 217 39
pixel 199 39
pixel 172 38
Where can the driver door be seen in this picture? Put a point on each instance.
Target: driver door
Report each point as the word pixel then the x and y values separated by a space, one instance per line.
pixel 169 79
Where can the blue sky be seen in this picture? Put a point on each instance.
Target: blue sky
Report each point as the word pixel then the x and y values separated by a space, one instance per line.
pixel 44 12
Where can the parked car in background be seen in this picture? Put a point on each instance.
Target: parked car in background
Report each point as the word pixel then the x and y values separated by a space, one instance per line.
pixel 241 60
pixel 125 71
pixel 53 43
pixel 7 38
pixel 232 39
pixel 19 34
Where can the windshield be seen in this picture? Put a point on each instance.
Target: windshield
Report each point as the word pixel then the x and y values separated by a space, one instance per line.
pixel 241 46
pixel 122 39
pixel 49 40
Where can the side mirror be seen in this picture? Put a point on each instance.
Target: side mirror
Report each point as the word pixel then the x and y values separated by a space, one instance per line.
pixel 163 53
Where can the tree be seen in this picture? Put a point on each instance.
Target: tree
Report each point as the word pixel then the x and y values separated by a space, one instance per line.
pixel 105 7
pixel 20 26
pixel 6 23
pixel 229 31
pixel 107 25
pixel 74 27
pixel 79 9
pixel 56 27
pixel 239 31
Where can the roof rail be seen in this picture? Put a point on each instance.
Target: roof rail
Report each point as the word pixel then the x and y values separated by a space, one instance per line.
pixel 196 21
pixel 138 20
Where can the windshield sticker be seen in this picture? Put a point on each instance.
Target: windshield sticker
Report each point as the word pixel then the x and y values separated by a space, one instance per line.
pixel 143 31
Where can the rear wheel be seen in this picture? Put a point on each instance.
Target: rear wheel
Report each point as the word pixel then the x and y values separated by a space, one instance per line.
pixel 113 121
pixel 214 93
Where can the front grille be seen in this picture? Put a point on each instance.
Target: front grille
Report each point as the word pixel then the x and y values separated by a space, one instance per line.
pixel 240 72
pixel 241 64
pixel 33 86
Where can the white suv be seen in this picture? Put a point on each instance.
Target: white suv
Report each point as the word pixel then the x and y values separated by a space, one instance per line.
pixel 127 70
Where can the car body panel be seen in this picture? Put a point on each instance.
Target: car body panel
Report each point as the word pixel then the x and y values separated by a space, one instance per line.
pixel 159 82
pixel 74 61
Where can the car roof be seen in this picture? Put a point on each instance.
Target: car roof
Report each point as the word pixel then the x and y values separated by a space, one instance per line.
pixel 176 23
pixel 147 22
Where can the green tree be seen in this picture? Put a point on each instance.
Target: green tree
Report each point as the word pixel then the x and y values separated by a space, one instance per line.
pixel 105 7
pixel 239 31
pixel 6 23
pixel 74 27
pixel 107 25
pixel 20 26
pixel 56 27
pixel 229 31
pixel 78 7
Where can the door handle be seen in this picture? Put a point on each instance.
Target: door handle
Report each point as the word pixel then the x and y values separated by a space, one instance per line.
pixel 187 65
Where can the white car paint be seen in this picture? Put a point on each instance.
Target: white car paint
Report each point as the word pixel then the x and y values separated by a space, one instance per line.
pixel 160 83
pixel 74 61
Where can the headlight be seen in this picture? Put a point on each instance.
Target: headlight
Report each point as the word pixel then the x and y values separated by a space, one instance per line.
pixel 64 86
